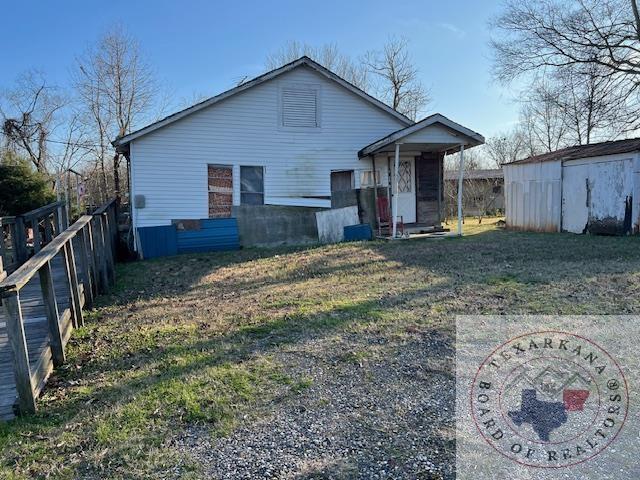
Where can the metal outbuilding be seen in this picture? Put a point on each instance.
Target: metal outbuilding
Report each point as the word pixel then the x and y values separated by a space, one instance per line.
pixel 583 189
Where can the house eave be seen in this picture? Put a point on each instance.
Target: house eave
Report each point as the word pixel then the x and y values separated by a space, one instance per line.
pixel 306 61
pixel 471 138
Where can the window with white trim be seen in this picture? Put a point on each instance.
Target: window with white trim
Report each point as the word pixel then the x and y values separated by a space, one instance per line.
pixel 251 185
pixel 299 106
pixel 366 178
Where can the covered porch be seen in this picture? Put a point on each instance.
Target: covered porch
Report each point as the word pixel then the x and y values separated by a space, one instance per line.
pixel 409 165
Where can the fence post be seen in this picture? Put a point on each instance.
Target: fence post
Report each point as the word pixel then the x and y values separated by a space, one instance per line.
pixel 101 257
pixel 37 239
pixel 85 268
pixel 108 240
pixel 92 257
pixel 72 277
pixel 56 222
pixel 53 317
pixel 48 230
pixel 3 247
pixel 20 241
pixel 63 216
pixel 18 341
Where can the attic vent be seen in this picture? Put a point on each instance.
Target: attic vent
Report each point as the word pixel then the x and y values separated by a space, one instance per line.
pixel 299 107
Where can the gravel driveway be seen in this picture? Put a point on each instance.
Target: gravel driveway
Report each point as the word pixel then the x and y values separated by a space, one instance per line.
pixel 383 412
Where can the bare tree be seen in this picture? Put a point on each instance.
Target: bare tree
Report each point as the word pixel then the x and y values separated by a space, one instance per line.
pixel 29 116
pixel 118 90
pixel 506 148
pixel 589 47
pixel 327 55
pixel 594 105
pixel 542 121
pixel 558 33
pixel 399 84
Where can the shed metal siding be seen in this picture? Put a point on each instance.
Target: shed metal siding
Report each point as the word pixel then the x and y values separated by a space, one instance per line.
pixel 597 195
pixel 214 235
pixel 533 196
pixel 169 165
pixel 552 195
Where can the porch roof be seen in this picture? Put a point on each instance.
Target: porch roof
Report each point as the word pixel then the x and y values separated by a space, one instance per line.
pixel 435 132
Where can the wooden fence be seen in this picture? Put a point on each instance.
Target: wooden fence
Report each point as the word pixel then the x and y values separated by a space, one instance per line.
pixel 43 223
pixel 43 300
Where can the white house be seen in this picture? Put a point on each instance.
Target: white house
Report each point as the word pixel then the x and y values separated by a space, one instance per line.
pixel 583 189
pixel 284 144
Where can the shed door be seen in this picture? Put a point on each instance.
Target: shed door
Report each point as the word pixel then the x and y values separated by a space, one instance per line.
pixel 597 197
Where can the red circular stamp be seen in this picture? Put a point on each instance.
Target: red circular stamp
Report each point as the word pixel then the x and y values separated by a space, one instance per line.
pixel 549 399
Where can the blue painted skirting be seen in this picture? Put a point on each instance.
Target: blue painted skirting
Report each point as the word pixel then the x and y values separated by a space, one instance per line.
pixel 217 234
pixel 158 241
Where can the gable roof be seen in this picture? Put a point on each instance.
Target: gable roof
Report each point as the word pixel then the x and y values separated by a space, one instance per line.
pixel 585 151
pixel 474 137
pixel 306 61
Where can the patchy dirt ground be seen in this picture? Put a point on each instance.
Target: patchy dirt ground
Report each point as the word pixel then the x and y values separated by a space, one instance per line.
pixel 373 407
pixel 323 362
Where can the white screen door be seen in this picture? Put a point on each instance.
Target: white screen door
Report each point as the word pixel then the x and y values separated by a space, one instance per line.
pixel 406 195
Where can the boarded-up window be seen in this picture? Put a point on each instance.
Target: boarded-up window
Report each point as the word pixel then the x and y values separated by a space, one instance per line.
pixel 342 181
pixel 300 107
pixel 251 185
pixel 220 190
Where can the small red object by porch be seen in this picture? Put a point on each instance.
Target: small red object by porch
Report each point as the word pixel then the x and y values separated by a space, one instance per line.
pixel 385 218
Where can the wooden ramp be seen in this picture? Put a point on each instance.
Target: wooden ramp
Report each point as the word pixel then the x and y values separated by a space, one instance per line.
pixel 43 301
pixel 37 336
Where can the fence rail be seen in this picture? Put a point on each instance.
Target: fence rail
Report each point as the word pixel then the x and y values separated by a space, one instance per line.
pixel 62 277
pixel 30 231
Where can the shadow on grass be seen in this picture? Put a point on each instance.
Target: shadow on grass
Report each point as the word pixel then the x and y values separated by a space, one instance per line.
pixel 492 268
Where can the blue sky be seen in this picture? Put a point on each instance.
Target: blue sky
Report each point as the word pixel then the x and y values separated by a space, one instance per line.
pixel 206 46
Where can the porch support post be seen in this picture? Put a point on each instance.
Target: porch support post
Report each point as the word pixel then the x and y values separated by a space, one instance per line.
pixel 375 192
pixel 396 169
pixel 460 182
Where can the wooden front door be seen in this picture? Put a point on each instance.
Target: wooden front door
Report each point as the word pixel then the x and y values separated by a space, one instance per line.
pixel 429 189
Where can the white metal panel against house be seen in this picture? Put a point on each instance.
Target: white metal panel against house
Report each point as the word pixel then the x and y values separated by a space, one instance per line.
pixel 533 196
pixel 597 194
pixel 169 165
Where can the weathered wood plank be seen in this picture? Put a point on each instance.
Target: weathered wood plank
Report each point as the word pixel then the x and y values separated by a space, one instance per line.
pixel 101 254
pixel 22 275
pixel 18 342
pixel 51 307
pixel 85 267
pixel 108 242
pixel 72 278
pixel 53 285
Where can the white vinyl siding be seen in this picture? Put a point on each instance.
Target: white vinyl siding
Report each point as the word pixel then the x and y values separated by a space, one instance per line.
pixel 300 107
pixel 169 165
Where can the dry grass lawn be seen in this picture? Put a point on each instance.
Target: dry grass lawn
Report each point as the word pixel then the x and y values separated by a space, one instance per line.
pixel 195 340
